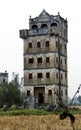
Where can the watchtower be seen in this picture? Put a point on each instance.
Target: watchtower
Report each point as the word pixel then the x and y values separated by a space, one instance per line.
pixel 45 58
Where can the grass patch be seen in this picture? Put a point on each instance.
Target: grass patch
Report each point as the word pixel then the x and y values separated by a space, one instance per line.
pixel 24 112
pixel 35 112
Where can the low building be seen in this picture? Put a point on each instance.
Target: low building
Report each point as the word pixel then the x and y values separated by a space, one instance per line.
pixel 3 77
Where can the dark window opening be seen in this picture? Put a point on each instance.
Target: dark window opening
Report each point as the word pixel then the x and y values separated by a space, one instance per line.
pixel 57 75
pixel 57 92
pixel 65 91
pixel 65 74
pixel 65 61
pixel 30 76
pixel 64 32
pixel 47 44
pixel 39 75
pixel 54 24
pixel 34 27
pixel 38 44
pixel 44 26
pixel 56 59
pixel 3 80
pixel 49 92
pixel 65 47
pixel 47 59
pixel 28 93
pixel 39 60
pixel 47 75
pixel 30 45
pixel 31 60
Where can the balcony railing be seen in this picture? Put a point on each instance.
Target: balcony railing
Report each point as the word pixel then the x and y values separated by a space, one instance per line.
pixel 38 32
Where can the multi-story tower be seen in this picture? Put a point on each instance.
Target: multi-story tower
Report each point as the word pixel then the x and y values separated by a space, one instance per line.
pixel 45 58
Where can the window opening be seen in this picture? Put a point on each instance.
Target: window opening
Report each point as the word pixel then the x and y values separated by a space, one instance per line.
pixel 47 75
pixel 49 92
pixel 47 43
pixel 30 45
pixel 31 60
pixel 30 76
pixel 28 93
pixel 38 44
pixel 39 75
pixel 47 59
pixel 39 60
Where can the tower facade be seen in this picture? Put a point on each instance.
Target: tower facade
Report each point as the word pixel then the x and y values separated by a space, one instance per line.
pixel 45 58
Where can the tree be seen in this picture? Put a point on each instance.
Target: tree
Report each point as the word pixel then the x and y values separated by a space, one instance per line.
pixel 79 98
pixel 10 93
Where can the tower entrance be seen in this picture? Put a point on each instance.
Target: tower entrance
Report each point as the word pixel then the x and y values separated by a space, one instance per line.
pixel 39 93
pixel 40 98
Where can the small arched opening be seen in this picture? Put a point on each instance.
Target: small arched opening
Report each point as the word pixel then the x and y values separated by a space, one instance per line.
pixel 54 24
pixel 44 26
pixel 34 27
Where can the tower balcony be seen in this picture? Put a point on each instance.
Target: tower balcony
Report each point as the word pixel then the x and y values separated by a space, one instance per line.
pixel 23 33
pixel 38 31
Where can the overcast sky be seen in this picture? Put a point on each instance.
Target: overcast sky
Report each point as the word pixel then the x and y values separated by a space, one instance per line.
pixel 14 15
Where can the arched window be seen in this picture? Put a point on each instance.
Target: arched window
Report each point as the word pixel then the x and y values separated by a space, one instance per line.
pixel 47 43
pixel 44 26
pixel 34 27
pixel 54 25
pixel 30 44
pixel 38 44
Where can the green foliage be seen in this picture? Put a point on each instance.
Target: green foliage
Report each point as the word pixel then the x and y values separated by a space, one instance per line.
pixel 13 110
pixel 10 94
pixel 79 98
pixel 24 112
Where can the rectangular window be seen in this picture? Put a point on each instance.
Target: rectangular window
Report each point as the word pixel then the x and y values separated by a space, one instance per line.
pixel 65 47
pixel 65 74
pixel 57 75
pixel 38 44
pixel 3 80
pixel 65 61
pixel 30 76
pixel 56 59
pixel 31 60
pixel 39 60
pixel 47 75
pixel 30 45
pixel 65 91
pixel 28 93
pixel 47 44
pixel 47 59
pixel 39 75
pixel 49 92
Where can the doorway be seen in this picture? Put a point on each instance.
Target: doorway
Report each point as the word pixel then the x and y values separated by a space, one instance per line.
pixel 39 94
pixel 40 98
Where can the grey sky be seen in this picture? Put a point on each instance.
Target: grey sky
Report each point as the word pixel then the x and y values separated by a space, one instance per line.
pixel 14 15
